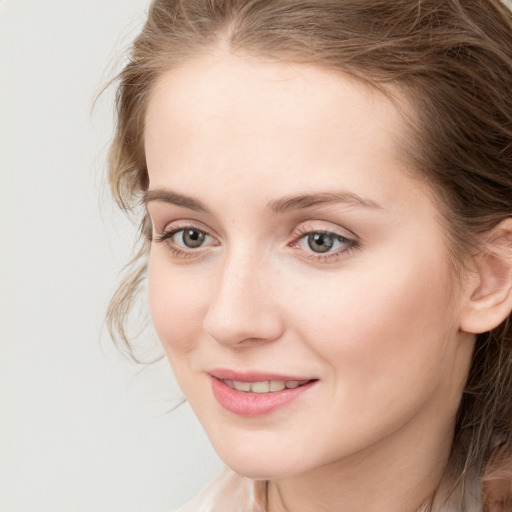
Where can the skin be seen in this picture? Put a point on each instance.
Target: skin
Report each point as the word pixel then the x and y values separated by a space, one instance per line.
pixel 377 320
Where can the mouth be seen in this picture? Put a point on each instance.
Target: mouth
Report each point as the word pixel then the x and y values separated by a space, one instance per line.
pixel 256 394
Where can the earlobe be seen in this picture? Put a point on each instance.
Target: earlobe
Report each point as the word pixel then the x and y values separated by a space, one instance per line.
pixel 490 294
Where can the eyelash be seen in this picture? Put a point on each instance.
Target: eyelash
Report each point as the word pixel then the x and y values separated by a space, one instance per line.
pixel 349 244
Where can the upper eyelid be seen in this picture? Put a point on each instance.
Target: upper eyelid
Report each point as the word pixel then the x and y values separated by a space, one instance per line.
pixel 166 233
pixel 301 229
pixel 304 229
pixel 177 225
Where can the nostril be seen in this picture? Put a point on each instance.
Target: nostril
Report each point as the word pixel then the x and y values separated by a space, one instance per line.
pixel 242 311
pixel 243 331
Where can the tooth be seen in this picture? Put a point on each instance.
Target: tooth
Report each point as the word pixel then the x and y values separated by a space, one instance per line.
pixel 264 386
pixel 277 385
pixel 260 387
pixel 242 386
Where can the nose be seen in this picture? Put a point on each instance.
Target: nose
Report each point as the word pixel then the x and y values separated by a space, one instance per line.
pixel 243 309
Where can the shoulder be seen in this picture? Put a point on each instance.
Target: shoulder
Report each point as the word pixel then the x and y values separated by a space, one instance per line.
pixel 229 492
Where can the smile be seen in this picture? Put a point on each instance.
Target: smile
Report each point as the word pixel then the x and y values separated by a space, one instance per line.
pixel 252 394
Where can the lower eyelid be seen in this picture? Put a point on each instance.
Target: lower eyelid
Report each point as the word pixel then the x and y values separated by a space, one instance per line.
pixel 184 254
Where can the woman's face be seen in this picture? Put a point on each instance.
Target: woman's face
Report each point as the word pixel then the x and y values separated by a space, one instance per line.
pixel 298 277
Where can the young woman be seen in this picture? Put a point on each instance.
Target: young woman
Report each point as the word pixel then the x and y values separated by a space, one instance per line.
pixel 328 244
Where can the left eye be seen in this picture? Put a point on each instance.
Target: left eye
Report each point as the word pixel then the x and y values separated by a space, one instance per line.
pixel 323 242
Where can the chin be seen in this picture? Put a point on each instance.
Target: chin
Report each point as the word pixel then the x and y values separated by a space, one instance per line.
pixel 272 469
pixel 261 461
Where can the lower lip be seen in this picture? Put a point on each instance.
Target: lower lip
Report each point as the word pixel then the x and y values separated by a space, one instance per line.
pixel 254 404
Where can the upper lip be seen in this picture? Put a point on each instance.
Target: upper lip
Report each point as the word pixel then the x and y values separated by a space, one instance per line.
pixel 253 376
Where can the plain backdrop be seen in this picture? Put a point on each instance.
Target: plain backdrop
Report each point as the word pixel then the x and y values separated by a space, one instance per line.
pixel 81 428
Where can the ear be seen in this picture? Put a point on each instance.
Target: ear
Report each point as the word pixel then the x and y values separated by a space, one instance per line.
pixel 490 286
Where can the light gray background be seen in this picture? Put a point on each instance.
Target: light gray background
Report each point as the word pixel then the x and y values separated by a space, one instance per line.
pixel 81 429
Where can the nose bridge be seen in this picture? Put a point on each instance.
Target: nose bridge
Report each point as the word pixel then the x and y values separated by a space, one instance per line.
pixel 242 308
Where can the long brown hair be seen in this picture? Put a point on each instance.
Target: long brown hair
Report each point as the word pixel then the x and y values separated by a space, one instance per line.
pixel 451 59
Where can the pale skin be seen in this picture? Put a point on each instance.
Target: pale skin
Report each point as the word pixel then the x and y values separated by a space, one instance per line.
pixel 254 156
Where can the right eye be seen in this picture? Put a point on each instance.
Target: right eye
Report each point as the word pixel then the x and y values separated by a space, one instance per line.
pixel 186 240
pixel 190 237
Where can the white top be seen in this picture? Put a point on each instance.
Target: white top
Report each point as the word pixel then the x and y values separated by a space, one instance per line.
pixel 230 492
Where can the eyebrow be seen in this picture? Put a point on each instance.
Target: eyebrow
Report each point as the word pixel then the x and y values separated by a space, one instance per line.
pixel 168 196
pixel 304 201
pixel 276 206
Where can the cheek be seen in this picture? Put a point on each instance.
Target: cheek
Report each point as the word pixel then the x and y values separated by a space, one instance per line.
pixel 177 304
pixel 382 328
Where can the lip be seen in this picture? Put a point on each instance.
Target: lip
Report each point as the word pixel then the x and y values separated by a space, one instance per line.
pixel 254 404
pixel 226 374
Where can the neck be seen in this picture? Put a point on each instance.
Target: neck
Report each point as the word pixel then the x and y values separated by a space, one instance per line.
pixel 399 473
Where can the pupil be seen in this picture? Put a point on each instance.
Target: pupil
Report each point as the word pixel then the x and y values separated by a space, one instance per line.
pixel 320 242
pixel 193 238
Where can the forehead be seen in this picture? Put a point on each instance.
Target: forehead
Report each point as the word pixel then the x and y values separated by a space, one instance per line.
pixel 230 116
